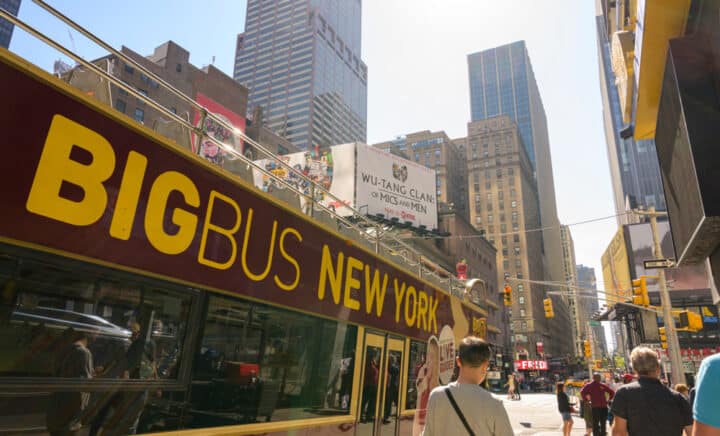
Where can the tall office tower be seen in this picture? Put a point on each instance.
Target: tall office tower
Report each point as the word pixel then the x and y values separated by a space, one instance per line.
pixel 502 82
pixel 300 60
pixel 634 168
pixel 568 247
pixel 503 202
pixel 588 306
pixel 6 28
pixel 437 151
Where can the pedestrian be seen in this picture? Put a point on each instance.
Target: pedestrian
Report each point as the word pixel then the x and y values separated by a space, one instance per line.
pixel 595 392
pixel 614 386
pixel 66 410
pixel 565 409
pixel 518 383
pixel 646 406
pixel 706 409
pixel 586 411
pixel 463 407
pixel 683 390
pixel 511 386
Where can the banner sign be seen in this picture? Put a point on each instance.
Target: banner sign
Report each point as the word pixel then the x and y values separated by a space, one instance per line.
pixel 91 183
pixel 531 365
pixel 333 170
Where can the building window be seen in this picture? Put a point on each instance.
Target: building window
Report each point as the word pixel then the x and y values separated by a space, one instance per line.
pixel 501 205
pixel 504 240
pixel 511 171
pixel 498 172
pixel 139 115
pixel 516 238
pixel 502 217
pixel 512 192
pixel 489 207
pixel 500 195
pixel 520 288
pixel 129 69
pixel 521 299
pixel 478 220
pixel 514 217
pixel 524 325
pixel 517 251
pixel 120 105
pixel 476 187
pixel 522 313
pixel 518 264
pixel 488 185
pixel 506 265
pixel 489 196
pixel 504 252
pixel 490 219
pixel 503 228
pixel 513 204
pixel 178 68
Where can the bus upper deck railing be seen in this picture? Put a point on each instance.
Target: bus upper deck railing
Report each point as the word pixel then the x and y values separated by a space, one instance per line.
pixel 358 226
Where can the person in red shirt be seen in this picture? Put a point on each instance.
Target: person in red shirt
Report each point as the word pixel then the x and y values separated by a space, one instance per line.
pixel 595 393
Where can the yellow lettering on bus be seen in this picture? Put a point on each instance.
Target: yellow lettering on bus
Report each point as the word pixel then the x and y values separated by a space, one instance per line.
pixel 56 167
pixel 410 310
pixel 327 271
pixel 163 186
pixel 422 310
pixel 432 315
pixel 128 196
pixel 228 233
pixel 374 293
pixel 399 292
pixel 246 245
pixel 292 260
pixel 351 283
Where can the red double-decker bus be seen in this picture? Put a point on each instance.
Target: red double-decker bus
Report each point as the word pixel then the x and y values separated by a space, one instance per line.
pixel 143 289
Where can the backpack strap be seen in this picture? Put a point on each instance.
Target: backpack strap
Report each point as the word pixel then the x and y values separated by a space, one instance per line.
pixel 458 411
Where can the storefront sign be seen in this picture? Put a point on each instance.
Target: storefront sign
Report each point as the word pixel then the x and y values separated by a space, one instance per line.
pixel 526 365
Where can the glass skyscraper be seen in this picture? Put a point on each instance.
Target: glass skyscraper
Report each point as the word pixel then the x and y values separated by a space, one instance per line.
pixel 300 60
pixel 501 83
pixel 634 168
pixel 6 28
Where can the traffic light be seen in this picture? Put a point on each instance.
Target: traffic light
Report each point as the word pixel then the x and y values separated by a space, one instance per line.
pixel 663 337
pixel 586 348
pixel 507 297
pixel 640 292
pixel 549 313
pixel 690 321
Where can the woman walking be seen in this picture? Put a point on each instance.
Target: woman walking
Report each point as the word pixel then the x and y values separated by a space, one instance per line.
pixel 511 386
pixel 565 409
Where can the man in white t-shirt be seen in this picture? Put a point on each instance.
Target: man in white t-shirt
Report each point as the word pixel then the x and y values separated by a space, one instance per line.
pixel 475 411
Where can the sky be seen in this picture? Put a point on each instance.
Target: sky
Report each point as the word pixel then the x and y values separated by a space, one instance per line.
pixel 416 53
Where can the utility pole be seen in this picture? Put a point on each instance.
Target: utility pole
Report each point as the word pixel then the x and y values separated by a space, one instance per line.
pixel 678 371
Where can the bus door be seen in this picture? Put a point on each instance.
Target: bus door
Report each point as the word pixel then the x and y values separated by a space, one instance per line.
pixel 391 391
pixel 373 360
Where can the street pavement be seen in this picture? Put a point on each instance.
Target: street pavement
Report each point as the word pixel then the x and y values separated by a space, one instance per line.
pixel 537 414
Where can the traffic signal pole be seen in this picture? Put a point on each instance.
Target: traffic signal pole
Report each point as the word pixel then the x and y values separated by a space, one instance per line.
pixel 678 371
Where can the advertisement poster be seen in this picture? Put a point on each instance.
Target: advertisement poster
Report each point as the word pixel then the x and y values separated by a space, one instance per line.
pixel 208 149
pixel 395 187
pixel 333 170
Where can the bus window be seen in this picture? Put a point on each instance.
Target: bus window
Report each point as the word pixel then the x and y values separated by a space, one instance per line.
pixel 98 340
pixel 415 362
pixel 257 363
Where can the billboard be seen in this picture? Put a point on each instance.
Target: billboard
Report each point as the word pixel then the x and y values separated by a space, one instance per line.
pixel 395 187
pixel 208 149
pixel 616 270
pixel 641 246
pixel 364 177
pixel 333 170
